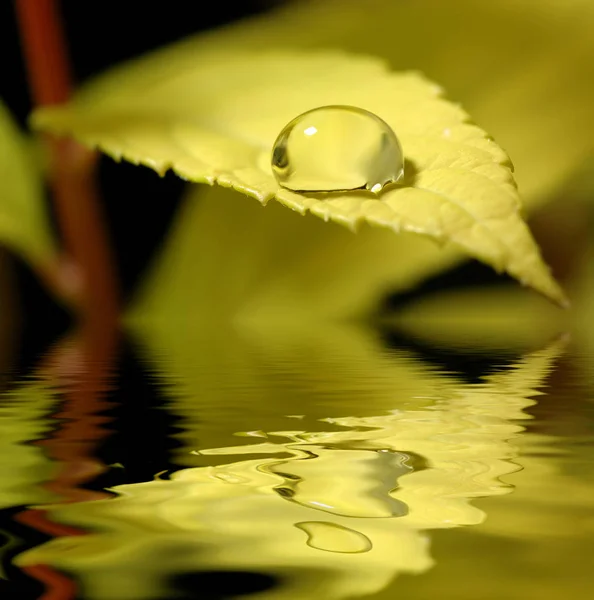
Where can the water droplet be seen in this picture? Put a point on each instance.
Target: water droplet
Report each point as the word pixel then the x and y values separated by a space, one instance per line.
pixel 337 148
pixel 331 537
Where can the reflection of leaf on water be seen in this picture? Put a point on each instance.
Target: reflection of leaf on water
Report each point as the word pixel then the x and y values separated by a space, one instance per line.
pixel 546 526
pixel 23 466
pixel 234 380
pixel 213 117
pixel 392 477
pixel 24 226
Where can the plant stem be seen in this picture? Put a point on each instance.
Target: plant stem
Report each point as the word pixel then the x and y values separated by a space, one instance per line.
pixel 45 51
pixel 86 272
pixel 73 167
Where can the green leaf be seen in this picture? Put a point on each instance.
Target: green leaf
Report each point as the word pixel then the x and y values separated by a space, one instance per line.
pixel 24 224
pixel 215 120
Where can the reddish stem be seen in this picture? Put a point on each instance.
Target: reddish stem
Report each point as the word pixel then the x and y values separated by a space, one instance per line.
pixel 91 277
pixel 45 51
pixel 86 273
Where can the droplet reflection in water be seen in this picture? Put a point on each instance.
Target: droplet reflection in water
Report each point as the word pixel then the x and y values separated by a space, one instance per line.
pixel 334 538
pixel 344 482
pixel 337 148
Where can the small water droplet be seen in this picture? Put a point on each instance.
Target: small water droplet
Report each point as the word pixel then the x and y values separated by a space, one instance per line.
pixel 332 537
pixel 337 148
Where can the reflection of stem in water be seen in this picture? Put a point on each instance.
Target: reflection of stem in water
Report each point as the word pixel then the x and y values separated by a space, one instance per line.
pixel 72 445
pixel 87 276
pixel 231 517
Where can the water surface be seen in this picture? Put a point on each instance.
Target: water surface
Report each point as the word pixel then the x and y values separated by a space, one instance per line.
pixel 343 463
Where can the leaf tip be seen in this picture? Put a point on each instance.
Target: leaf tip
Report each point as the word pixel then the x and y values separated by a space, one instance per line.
pixel 553 292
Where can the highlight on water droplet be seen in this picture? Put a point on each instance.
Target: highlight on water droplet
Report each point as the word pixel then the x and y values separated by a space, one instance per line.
pixel 332 537
pixel 337 148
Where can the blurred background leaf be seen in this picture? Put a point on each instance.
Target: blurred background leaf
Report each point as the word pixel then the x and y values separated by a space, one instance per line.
pixel 230 260
pixel 24 223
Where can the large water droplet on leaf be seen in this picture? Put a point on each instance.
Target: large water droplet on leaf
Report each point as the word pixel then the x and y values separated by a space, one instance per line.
pixel 337 148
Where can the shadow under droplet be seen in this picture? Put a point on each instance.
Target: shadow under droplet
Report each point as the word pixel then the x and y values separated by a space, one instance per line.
pixel 408 179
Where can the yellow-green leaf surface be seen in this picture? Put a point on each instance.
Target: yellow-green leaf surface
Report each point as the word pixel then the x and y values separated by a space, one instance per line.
pixel 24 224
pixel 216 119
pixel 333 513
